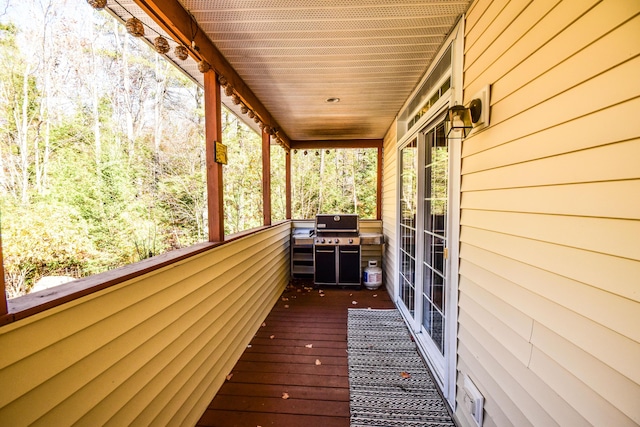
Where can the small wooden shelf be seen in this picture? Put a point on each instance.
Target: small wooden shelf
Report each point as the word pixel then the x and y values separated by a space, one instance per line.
pixel 301 256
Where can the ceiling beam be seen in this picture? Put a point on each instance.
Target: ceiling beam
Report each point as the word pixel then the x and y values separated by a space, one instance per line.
pixel 337 143
pixel 178 22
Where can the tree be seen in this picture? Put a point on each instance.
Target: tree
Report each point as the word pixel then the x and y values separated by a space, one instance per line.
pixel 242 175
pixel 334 181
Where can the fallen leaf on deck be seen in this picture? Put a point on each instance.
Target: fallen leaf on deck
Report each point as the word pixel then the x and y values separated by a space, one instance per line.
pixel 309 345
pixel 405 375
pixel 318 363
pixel 249 346
pixel 286 306
pixel 285 299
pixel 264 324
pixel 321 295
pixel 375 295
pixel 272 337
pixel 354 302
pixel 229 376
pixel 350 295
pixel 285 395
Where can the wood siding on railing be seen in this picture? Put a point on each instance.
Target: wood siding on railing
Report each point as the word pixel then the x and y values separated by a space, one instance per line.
pixel 150 351
pixel 390 207
pixel 550 223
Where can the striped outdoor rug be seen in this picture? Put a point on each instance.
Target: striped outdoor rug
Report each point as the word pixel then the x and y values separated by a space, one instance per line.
pixel 389 383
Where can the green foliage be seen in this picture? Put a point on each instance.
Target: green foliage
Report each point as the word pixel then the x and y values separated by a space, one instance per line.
pixel 95 201
pixel 243 176
pixel 334 181
pixel 107 167
pixel 43 239
pixel 278 183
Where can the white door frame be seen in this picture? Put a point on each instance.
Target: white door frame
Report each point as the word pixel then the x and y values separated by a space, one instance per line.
pixel 445 369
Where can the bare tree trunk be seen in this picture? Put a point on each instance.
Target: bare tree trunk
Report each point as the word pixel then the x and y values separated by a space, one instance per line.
pixel 321 182
pixel 161 85
pixel 36 150
pixel 355 192
pixel 47 133
pixel 23 135
pixel 49 66
pixel 43 113
pixel 116 103
pixel 128 107
pixel 97 142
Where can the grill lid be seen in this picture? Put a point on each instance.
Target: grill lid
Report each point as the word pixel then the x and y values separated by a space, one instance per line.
pixel 337 223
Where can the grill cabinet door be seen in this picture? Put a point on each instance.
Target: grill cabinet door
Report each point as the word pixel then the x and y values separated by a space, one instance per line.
pixel 349 265
pixel 325 264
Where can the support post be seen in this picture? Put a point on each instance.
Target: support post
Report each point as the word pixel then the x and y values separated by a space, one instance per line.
pixel 266 178
pixel 379 186
pixel 287 179
pixel 3 302
pixel 213 133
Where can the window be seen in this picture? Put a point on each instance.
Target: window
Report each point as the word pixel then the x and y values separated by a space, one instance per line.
pixel 334 181
pixel 101 144
pixel 278 183
pixel 242 175
pixel 435 87
pixel 408 211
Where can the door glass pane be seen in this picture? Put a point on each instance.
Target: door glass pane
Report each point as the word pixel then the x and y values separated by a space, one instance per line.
pixel 436 173
pixel 408 210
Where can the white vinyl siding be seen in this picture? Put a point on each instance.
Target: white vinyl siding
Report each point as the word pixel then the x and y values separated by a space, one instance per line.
pixel 550 214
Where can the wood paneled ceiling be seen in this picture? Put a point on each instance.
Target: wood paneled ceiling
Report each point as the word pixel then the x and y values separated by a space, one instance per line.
pixel 295 55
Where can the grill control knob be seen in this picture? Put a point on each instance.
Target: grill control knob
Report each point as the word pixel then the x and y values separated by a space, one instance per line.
pixel 322 240
pixel 337 241
pixel 329 241
pixel 350 240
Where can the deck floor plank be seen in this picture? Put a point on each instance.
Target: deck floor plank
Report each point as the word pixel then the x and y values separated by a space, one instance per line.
pixel 222 418
pixel 318 393
pixel 300 350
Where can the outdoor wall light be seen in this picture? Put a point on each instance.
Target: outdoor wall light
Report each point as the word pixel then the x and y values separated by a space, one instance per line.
pixel 476 116
pixel 461 118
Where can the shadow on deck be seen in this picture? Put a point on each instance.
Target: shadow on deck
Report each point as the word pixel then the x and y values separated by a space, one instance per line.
pixel 294 372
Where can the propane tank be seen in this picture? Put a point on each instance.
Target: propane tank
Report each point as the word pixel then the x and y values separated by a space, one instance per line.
pixel 372 275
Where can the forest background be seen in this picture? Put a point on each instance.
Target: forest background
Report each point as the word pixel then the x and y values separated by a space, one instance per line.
pixel 102 155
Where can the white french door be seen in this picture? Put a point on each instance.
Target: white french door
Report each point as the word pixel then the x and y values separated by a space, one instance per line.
pixel 434 247
pixel 408 223
pixel 425 282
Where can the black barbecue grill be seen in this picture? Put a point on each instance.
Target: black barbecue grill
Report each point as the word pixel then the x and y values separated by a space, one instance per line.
pixel 336 250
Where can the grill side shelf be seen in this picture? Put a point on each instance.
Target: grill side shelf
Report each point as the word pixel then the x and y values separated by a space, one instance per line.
pixel 302 256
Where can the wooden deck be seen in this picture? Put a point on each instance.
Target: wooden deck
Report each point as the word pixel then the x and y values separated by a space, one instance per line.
pixel 294 372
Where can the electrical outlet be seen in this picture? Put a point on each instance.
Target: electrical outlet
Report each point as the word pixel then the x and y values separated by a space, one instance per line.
pixel 473 400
